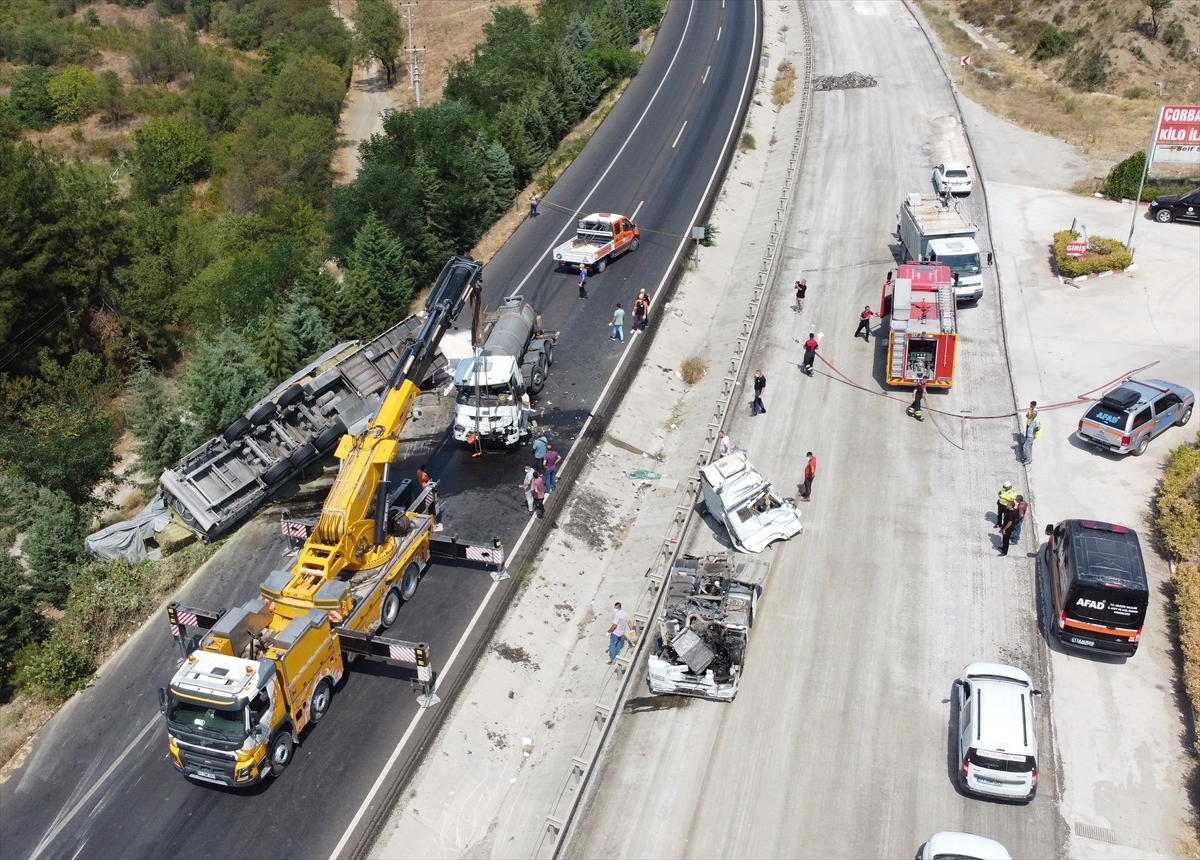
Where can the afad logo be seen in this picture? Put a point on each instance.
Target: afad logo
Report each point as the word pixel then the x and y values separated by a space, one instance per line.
pixel 1091 604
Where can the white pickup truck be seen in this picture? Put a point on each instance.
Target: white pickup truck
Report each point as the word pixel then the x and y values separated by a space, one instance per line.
pixel 601 237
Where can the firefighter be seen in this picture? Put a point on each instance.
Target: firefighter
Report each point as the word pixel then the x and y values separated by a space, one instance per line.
pixel 914 408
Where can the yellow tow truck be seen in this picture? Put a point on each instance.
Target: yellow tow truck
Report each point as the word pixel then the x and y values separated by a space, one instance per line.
pixel 262 672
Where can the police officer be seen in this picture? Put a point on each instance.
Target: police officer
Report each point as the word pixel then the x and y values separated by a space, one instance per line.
pixel 1006 495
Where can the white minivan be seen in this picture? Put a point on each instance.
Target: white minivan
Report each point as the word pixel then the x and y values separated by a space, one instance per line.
pixel 996 742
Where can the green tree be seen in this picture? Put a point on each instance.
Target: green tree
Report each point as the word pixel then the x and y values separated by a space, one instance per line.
pixel 1156 7
pixel 309 85
pixel 500 186
pixel 379 34
pixel 30 100
pixel 54 545
pixel 303 330
pixel 168 152
pixel 74 93
pixel 223 379
pixel 154 418
pixel 164 54
pixel 271 348
pixel 111 97
pixel 272 153
pixel 20 622
pixel 10 129
pixel 199 14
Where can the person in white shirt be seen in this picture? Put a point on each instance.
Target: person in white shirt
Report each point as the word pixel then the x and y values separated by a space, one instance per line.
pixel 724 446
pixel 526 409
pixel 617 632
pixel 527 486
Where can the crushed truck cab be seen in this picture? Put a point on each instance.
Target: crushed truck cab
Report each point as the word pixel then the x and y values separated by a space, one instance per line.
pixel 741 499
pixel 601 237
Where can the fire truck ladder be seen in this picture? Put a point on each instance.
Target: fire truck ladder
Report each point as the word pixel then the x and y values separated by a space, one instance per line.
pixel 899 345
pixel 946 309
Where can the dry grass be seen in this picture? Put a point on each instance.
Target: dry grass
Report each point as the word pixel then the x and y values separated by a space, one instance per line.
pixel 20 721
pixel 693 370
pixel 1104 126
pixel 785 84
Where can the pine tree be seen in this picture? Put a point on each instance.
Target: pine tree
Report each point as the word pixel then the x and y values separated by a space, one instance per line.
pixel 500 179
pixel 380 259
pixel 579 33
pixel 552 109
pixel 272 349
pixel 536 131
pixel 223 379
pixel 304 331
pixel 154 418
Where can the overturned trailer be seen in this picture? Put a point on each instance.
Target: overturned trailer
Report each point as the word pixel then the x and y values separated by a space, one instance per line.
pixel 228 477
pixel 699 645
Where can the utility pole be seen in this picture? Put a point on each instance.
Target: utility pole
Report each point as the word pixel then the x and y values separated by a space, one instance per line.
pixel 413 53
pixel 1145 169
pixel 70 327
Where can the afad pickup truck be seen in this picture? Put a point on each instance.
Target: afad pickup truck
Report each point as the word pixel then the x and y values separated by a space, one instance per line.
pixel 601 237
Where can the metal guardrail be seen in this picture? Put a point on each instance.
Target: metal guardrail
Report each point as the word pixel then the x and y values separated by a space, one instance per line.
pixel 616 685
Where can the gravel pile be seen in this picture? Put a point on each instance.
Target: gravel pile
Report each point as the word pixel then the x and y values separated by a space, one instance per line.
pixel 851 81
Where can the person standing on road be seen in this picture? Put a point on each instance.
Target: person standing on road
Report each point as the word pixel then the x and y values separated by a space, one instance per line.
pixel 1033 429
pixel 540 444
pixel 1008 520
pixel 539 495
pixel 618 324
pixel 724 446
pixel 760 384
pixel 617 631
pixel 583 281
pixel 526 411
pixel 534 200
pixel 1007 494
pixel 527 486
pixel 550 461
pixel 422 474
pixel 914 408
pixel 810 353
pixel 810 473
pixel 1022 509
pixel 864 324
pixel 801 289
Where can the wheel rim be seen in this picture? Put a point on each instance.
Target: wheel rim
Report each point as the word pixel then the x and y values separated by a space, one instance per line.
pixel 1164 216
pixel 320 702
pixel 283 753
pixel 391 608
pixel 412 577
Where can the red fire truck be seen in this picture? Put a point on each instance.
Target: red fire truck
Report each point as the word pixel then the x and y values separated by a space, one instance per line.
pixel 922 325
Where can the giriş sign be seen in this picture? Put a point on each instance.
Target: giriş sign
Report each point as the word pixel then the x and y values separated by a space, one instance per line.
pixel 1177 137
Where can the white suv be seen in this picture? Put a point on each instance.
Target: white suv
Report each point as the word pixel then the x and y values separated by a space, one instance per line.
pixel 996 742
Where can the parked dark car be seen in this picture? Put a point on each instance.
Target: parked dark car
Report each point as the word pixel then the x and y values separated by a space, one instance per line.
pixel 1176 207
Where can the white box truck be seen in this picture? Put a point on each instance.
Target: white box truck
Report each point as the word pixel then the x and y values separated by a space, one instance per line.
pixel 931 232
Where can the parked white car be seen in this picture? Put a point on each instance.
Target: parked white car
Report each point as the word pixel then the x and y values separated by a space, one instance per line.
pixel 738 496
pixel 956 176
pixel 997 746
pixel 949 845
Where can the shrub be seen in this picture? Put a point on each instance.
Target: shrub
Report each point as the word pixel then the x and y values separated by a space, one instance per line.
pixel 1185 591
pixel 785 84
pixel 747 141
pixel 1087 71
pixel 74 93
pixel 168 152
pixel 1139 93
pixel 1178 505
pixel 1052 42
pixel 693 370
pixel 1103 255
pixel 20 622
pixel 30 100
pixel 53 671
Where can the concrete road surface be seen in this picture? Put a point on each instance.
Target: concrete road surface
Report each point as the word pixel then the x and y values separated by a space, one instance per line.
pixel 840 743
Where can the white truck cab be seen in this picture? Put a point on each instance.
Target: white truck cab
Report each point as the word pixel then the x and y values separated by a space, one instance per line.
pixel 739 497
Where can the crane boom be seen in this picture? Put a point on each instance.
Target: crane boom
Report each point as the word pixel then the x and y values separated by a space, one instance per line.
pixel 350 533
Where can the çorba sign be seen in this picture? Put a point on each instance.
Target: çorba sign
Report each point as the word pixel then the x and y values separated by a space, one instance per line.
pixel 1178 134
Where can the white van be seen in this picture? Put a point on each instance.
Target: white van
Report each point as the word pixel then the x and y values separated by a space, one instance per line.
pixel 996 741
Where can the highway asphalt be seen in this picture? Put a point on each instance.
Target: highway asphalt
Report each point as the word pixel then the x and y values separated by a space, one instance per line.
pixel 97 782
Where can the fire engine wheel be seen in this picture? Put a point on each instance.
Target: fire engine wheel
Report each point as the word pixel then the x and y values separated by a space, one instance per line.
pixel 281 752
pixel 319 703
pixel 390 609
pixel 276 473
pixel 410 581
pixel 1185 417
pixel 637 240
pixel 292 395
pixel 601 264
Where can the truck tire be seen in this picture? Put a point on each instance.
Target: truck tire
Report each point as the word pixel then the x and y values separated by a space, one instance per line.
pixel 304 454
pixel 601 264
pixel 318 705
pixel 262 414
pixel 633 246
pixel 389 609
pixel 1142 446
pixel 330 435
pixel 292 395
pixel 1185 417
pixel 537 378
pixel 236 430
pixel 281 752
pixel 410 581
pixel 277 473
pixel 548 351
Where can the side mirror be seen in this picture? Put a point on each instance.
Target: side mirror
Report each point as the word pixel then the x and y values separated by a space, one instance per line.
pixel 1049 530
pixel 162 700
pixel 260 734
pixel 1036 693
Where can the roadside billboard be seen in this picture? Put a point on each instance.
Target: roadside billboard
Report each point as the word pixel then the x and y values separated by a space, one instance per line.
pixel 1177 136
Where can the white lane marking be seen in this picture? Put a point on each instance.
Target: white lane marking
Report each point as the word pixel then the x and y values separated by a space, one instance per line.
pixel 633 217
pixel 570 225
pixel 394 757
pixel 719 33
pixel 680 134
pixel 57 828
pixel 704 77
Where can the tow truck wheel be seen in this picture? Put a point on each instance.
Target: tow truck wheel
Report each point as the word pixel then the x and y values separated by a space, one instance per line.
pixel 637 240
pixel 1142 446
pixel 601 264
pixel 410 581
pixel 320 701
pixel 390 609
pixel 281 752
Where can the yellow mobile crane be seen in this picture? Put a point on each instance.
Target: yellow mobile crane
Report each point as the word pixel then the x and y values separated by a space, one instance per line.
pixel 263 671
